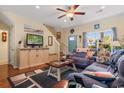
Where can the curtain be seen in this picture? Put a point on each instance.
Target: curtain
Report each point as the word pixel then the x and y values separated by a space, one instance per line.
pixel 102 35
pixel 115 36
pixel 84 39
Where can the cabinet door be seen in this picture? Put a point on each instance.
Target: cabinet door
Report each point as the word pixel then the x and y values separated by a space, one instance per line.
pixel 32 58
pixel 23 59
pixel 45 56
pixel 40 57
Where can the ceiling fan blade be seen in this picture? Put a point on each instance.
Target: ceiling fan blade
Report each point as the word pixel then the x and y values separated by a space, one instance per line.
pixel 79 13
pixel 61 9
pixel 61 16
pixel 75 6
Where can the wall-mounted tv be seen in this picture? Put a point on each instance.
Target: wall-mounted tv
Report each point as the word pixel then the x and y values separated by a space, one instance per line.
pixel 34 40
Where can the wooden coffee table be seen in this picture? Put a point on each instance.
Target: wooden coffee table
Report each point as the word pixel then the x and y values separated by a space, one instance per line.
pixel 57 65
pixel 61 84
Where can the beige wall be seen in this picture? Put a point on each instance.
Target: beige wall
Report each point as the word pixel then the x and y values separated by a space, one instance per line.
pixel 3 26
pixel 17 33
pixel 105 24
pixel 51 29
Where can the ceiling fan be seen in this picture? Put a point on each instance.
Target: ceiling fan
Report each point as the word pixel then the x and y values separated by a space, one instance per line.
pixel 70 12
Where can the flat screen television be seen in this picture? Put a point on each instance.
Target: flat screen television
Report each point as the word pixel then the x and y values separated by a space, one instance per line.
pixel 34 40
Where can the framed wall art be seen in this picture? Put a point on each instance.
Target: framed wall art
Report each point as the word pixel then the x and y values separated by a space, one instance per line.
pixel 58 35
pixel 50 40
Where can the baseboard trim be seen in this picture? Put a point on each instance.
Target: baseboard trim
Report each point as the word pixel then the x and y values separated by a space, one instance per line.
pixel 3 62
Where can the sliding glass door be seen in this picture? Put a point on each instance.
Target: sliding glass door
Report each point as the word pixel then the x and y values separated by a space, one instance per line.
pixel 108 39
pixel 92 39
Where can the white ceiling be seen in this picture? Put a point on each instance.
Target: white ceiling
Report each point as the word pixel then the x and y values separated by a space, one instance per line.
pixel 48 14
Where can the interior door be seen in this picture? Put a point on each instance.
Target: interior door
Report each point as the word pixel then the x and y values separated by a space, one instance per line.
pixel 72 43
pixel 3 49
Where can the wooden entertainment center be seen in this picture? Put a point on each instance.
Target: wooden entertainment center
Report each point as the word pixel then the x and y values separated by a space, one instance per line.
pixel 30 57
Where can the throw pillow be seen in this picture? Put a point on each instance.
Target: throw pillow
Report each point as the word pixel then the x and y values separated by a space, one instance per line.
pixel 102 76
pixel 90 54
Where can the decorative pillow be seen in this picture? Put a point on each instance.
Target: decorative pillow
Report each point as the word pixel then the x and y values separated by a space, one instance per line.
pixel 102 76
pixel 90 54
pixel 82 49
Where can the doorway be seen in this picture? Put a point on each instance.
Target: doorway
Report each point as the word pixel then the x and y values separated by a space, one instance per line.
pixel 72 43
pixel 3 47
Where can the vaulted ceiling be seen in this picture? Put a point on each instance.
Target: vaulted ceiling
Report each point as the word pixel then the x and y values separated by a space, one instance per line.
pixel 48 14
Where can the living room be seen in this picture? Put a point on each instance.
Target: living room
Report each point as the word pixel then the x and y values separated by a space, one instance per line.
pixel 33 46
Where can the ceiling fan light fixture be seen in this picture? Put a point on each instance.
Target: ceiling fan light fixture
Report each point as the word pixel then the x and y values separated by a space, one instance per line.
pixel 103 7
pixel 70 15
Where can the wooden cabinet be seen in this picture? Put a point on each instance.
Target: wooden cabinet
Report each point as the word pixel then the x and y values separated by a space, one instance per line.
pixel 23 59
pixel 32 57
pixel 45 56
pixel 39 56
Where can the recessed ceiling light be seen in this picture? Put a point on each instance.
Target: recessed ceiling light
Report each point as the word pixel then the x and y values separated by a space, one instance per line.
pixel 37 6
pixel 103 7
pixel 65 20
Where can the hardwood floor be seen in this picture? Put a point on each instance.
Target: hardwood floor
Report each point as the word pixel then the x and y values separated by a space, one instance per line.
pixel 3 76
pixel 3 71
pixel 9 71
pixel 4 84
pixel 13 72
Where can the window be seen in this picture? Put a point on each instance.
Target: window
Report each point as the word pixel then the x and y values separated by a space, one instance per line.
pixel 93 39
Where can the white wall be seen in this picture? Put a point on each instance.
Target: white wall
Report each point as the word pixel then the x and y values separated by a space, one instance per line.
pixel 18 33
pixel 105 24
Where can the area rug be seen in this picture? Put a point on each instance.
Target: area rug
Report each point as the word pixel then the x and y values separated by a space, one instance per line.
pixel 36 79
pixel 48 81
pixel 23 80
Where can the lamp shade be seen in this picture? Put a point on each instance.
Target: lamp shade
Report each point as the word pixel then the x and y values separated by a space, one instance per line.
pixel 116 43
